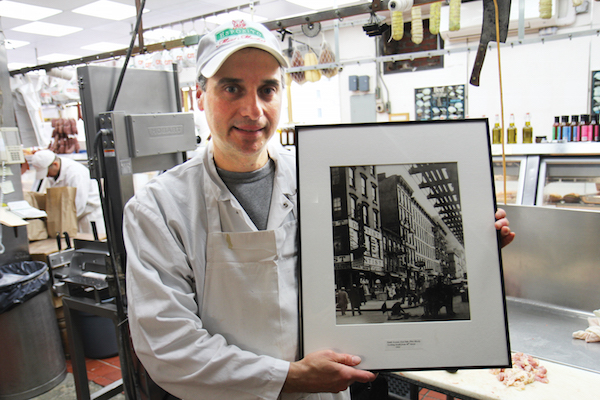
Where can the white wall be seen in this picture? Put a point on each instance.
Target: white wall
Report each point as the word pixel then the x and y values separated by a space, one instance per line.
pixel 544 79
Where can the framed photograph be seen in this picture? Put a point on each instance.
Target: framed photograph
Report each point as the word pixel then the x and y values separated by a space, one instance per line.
pixel 399 258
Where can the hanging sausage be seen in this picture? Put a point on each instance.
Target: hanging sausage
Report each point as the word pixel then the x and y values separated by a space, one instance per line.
pixel 327 57
pixel 435 11
pixel 416 25
pixel 397 25
pixel 455 15
pixel 298 61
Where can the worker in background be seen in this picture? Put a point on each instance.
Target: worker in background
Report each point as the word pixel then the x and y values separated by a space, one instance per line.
pixel 212 256
pixel 65 172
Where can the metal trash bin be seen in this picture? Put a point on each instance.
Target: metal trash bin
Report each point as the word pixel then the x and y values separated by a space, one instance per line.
pixel 33 360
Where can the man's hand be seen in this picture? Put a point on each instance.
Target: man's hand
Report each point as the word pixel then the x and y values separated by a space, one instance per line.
pixel 325 371
pixel 501 224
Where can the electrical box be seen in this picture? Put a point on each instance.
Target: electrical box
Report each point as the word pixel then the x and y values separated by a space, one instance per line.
pixel 363 83
pixel 353 83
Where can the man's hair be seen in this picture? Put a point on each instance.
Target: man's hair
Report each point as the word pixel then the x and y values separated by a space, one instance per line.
pixel 202 80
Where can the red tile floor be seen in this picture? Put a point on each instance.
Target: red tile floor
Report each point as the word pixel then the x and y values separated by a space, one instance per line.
pixel 426 394
pixel 102 372
pixel 106 371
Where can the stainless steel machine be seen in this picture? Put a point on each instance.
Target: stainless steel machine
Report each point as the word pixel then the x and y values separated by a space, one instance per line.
pixel 142 131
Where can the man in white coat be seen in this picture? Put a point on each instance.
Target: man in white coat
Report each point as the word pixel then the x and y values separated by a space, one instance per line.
pixel 212 283
pixel 62 172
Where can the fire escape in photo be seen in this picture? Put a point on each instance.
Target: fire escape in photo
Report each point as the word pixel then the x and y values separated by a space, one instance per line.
pixel 441 180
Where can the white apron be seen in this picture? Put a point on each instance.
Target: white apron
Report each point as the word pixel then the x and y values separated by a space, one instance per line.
pixel 249 288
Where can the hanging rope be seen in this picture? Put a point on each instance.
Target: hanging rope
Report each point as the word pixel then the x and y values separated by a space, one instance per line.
pixel 501 95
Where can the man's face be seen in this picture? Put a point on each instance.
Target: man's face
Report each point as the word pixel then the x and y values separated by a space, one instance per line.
pixel 242 103
pixel 53 169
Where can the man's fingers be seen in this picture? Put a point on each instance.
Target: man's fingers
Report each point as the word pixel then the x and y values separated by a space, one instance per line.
pixel 352 361
pixel 346 359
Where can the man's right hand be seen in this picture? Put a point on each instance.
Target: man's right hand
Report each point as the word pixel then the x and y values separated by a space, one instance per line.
pixel 325 371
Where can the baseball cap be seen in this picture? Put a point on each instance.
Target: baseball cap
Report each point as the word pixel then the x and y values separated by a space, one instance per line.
pixel 215 47
pixel 41 160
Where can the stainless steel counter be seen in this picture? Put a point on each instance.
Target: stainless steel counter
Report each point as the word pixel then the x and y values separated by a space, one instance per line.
pixel 539 329
pixel 545 331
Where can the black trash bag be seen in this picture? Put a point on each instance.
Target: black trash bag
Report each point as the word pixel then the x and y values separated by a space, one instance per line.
pixel 20 282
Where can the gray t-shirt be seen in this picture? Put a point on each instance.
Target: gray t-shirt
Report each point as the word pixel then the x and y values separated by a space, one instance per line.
pixel 253 190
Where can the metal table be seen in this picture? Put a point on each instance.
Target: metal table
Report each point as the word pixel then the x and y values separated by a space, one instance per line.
pixel 545 332
pixel 107 310
pixel 542 330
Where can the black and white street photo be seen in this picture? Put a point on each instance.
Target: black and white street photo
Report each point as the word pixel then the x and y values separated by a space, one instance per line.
pixel 398 244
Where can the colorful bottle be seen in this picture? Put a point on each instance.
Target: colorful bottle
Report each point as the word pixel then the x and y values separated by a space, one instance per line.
pixel 594 128
pixel 556 129
pixel 497 131
pixel 575 134
pixel 565 129
pixel 584 127
pixel 512 130
pixel 527 130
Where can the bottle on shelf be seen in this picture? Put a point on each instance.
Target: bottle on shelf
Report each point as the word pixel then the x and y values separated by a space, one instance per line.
pixel 584 127
pixel 512 130
pixel 594 131
pixel 556 129
pixel 575 134
pixel 527 130
pixel 497 131
pixel 565 129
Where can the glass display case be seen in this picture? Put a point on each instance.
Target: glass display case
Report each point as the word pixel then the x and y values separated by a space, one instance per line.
pixel 569 182
pixel 515 176
pixel 553 174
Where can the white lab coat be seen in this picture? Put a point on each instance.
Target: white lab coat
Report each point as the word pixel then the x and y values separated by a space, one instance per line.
pixel 167 226
pixel 87 198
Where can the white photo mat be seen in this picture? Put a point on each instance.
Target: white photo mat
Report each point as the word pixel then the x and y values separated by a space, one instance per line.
pixel 481 341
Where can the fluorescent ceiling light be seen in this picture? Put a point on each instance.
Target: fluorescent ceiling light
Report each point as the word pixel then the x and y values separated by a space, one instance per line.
pixel 234 15
pixel 104 46
pixel 57 57
pixel 108 10
pixel 322 4
pixel 44 28
pixel 14 44
pixel 12 9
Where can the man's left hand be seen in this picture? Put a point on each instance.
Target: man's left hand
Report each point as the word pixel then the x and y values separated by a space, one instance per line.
pixel 501 224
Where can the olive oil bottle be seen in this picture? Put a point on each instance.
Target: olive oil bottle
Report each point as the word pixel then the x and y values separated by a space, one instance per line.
pixel 497 131
pixel 527 130
pixel 512 130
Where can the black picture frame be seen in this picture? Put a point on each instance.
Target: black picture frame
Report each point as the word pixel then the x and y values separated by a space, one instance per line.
pixel 386 202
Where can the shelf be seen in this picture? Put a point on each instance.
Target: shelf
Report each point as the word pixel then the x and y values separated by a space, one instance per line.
pixel 553 148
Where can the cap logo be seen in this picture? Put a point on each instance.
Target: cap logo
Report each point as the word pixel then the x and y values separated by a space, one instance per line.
pixel 239 32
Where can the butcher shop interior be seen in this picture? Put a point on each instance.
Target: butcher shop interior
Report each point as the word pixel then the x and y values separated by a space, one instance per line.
pixel 285 199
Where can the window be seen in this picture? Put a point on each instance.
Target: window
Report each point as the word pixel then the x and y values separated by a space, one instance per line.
pixel 335 175
pixel 365 214
pixel 363 185
pixel 375 219
pixel 351 172
pixel 337 204
pixel 374 192
pixel 352 209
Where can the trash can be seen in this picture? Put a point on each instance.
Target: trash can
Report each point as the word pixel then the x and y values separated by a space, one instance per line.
pixel 98 335
pixel 33 360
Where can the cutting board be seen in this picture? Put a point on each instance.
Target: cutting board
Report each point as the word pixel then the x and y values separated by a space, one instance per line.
pixel 565 383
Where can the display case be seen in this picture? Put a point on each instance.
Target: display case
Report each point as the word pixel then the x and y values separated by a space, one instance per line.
pixel 515 179
pixel 565 175
pixel 569 182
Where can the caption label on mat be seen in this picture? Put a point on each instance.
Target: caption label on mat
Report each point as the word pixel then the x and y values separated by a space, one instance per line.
pixel 404 344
